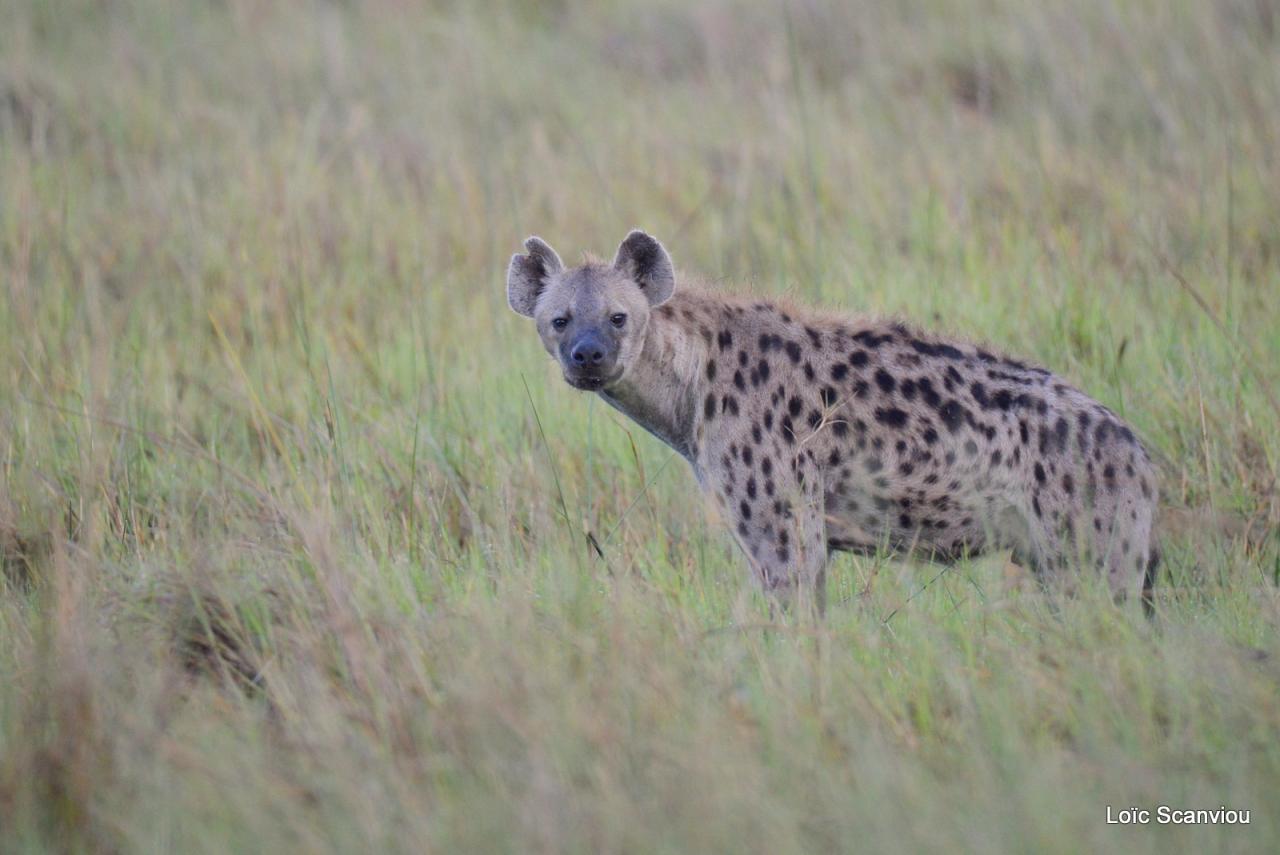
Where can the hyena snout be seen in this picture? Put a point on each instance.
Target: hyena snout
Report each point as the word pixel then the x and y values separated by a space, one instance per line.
pixel 589 350
pixel 589 359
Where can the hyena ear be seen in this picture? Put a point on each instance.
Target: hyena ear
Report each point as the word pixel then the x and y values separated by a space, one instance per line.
pixel 527 275
pixel 644 260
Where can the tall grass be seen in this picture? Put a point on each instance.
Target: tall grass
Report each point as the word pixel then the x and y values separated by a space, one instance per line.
pixel 297 521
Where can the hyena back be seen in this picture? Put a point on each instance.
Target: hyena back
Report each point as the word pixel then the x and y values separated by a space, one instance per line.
pixel 817 433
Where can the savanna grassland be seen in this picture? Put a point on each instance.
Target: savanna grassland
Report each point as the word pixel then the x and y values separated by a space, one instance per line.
pixel 307 547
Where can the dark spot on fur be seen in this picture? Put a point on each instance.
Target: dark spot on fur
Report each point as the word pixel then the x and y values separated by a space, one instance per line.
pixel 867 338
pixel 709 407
pixel 928 393
pixel 793 352
pixel 725 340
pixel 794 406
pixel 979 393
pixel 953 414
pixel 1039 471
pixel 885 381
pixel 1068 485
pixel 891 416
pixel 1061 431
pixel 839 371
pixel 711 369
pixel 858 358
pixel 738 382
pixel 945 351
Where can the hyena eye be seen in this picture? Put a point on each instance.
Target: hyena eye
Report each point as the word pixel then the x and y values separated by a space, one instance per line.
pixel 560 323
pixel 618 320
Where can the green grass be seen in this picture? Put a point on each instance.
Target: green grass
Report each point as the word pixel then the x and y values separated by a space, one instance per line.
pixel 289 565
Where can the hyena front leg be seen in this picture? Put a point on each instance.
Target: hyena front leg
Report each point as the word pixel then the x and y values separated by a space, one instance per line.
pixel 779 522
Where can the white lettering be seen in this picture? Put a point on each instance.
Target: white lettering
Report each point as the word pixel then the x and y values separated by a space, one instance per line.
pixel 1128 816
pixel 1221 815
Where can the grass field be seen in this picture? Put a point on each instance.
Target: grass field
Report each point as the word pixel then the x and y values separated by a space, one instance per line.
pixel 294 512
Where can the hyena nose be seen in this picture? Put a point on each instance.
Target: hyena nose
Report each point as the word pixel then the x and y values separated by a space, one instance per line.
pixel 587 352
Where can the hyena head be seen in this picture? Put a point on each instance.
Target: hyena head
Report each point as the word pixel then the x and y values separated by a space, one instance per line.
pixel 592 318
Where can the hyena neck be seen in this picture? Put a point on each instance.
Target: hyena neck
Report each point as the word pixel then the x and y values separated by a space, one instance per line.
pixel 661 390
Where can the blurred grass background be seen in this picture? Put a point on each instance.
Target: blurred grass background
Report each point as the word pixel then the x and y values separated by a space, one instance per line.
pixel 293 510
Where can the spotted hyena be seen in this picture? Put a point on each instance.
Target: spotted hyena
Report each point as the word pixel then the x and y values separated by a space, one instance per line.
pixel 819 432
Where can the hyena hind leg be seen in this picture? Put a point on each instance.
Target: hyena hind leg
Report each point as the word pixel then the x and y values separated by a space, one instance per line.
pixel 1114 538
pixel 1124 545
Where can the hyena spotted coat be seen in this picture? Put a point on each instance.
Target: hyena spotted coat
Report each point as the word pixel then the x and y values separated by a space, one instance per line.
pixel 817 433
